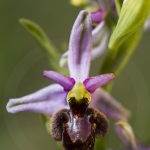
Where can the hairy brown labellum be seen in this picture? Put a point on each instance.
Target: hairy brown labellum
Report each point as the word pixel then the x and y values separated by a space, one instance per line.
pixel 77 131
pixel 57 123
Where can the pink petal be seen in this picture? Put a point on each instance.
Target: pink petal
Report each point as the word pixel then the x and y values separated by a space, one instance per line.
pixel 97 16
pixel 93 83
pixel 62 80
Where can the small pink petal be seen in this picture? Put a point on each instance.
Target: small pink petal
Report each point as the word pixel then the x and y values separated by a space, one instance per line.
pixel 62 80
pixel 97 16
pixel 93 83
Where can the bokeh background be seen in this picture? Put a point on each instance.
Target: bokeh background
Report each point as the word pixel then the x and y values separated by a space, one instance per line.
pixel 22 63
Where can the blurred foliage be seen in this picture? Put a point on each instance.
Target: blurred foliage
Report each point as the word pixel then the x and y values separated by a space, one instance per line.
pixel 117 58
pixel 129 22
pixel 100 144
pixel 125 36
pixel 38 34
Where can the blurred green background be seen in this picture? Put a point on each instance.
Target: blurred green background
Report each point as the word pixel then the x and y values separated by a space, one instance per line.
pixel 22 63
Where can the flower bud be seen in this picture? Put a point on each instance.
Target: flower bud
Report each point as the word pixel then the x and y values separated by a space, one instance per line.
pixel 126 135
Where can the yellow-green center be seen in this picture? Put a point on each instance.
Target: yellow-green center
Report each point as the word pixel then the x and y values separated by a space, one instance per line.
pixel 79 92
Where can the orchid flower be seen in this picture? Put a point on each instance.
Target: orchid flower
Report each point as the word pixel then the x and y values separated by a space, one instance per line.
pixel 78 126
pixel 67 101
pixel 53 97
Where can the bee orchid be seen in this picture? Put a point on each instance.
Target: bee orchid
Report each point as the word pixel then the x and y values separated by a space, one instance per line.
pixel 73 122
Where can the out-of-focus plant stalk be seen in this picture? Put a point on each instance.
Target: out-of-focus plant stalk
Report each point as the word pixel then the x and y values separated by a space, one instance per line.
pixel 41 37
pixel 125 36
pixel 116 59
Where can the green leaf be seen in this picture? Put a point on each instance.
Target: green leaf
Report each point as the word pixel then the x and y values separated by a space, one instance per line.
pixel 117 58
pixel 118 5
pixel 40 36
pixel 133 15
pixel 111 20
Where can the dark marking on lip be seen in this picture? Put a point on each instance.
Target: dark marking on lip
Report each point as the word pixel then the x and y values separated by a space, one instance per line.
pixel 76 131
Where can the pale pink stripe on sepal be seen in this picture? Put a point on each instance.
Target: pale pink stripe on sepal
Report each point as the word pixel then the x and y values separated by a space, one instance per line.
pixel 80 45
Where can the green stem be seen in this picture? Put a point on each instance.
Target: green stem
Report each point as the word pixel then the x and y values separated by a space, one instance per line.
pixel 116 59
